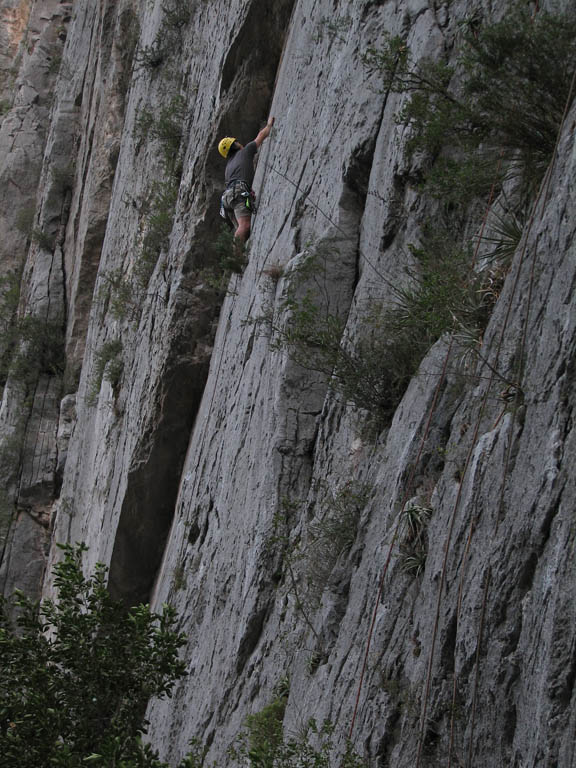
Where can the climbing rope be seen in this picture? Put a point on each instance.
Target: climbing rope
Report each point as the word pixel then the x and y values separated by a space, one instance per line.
pixel 405 499
pixel 541 197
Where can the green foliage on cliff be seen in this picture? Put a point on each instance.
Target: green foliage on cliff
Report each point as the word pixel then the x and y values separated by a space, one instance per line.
pixel 109 366
pixel 500 103
pixel 443 292
pixel 33 346
pixel 77 673
pixel 264 745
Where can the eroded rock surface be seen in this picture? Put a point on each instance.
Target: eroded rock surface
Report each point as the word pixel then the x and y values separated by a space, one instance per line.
pixel 194 454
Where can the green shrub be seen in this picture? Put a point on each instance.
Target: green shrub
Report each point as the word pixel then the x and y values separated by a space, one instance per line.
pixel 168 42
pixel 45 241
pixel 34 347
pixel 370 372
pixel 330 534
pixel 31 345
pixel 25 220
pixel 308 560
pixel 9 299
pixel 443 293
pixel 314 748
pixel 333 28
pixel 177 13
pixel 108 365
pixel 119 295
pixel 151 57
pixel 78 672
pixel 158 226
pixel 265 733
pixel 414 543
pixel 144 125
pixel 506 93
pixel 166 126
pixel 63 177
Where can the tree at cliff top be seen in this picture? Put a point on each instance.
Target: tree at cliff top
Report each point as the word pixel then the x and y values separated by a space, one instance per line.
pixel 77 673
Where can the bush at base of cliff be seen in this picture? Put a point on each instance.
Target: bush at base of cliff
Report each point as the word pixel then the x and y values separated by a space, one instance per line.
pixel 314 748
pixel 78 672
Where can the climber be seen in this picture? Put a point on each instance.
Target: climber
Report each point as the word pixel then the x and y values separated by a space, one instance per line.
pixel 237 205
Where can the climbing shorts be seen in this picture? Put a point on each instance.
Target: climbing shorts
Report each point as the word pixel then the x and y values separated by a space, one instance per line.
pixel 237 202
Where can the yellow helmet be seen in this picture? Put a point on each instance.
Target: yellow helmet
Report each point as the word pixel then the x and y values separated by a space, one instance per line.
pixel 224 146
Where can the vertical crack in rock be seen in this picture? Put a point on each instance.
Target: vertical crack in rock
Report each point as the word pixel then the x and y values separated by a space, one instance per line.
pixel 148 507
pixel 148 504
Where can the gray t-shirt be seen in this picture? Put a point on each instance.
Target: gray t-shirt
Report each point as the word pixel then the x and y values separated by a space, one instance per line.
pixel 240 167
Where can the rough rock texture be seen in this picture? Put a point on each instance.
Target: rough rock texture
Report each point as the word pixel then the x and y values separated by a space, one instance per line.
pixel 31 41
pixel 192 454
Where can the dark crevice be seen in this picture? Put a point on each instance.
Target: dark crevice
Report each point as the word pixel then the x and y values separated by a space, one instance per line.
pixel 150 498
pixel 247 84
pixel 251 636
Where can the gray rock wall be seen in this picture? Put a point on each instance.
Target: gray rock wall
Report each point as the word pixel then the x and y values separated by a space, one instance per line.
pixel 194 455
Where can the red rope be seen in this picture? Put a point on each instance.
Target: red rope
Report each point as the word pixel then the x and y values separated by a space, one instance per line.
pixel 395 535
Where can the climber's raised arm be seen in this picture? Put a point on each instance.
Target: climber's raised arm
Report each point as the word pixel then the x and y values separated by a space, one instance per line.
pixel 265 132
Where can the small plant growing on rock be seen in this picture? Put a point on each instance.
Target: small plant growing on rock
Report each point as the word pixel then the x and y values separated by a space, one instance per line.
pixel 230 254
pixel 274 272
pixel 151 57
pixel 36 348
pixel 46 241
pixel 333 29
pixel 264 734
pixel 413 545
pixel 63 177
pixel 119 296
pixel 177 13
pixel 308 559
pixel 331 534
pixel 158 226
pixel 108 365
pixel 25 220
pixel 314 748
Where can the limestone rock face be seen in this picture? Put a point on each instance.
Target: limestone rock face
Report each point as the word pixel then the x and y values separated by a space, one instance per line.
pixel 211 466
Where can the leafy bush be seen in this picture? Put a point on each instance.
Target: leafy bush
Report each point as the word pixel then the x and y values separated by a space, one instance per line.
pixel 25 220
pixel 264 730
pixel 506 93
pixel 78 672
pixel 33 346
pixel 63 177
pixel 165 126
pixel 314 748
pixel 119 296
pixel 9 298
pixel 177 13
pixel 444 293
pixel 46 241
pixel 308 560
pixel 158 226
pixel 152 56
pixel 41 349
pixel 108 365
pixel 331 534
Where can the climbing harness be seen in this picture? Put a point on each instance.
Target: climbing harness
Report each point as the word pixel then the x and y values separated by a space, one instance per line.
pixel 234 191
